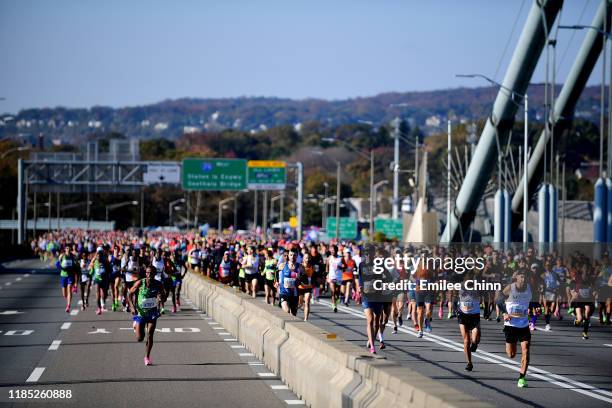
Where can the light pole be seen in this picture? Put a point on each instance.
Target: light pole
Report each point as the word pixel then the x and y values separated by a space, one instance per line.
pixel 324 215
pixel 369 157
pixel 118 205
pixel 221 204
pixel 171 206
pixel 525 144
pixel 376 187
pixel 14 149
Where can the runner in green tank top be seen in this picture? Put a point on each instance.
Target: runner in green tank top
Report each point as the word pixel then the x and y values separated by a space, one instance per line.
pixel 149 292
pixel 67 264
pixel 269 275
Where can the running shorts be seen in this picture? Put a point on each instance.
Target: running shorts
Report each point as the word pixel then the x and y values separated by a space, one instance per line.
pixel 292 302
pixel 65 281
pixel 470 321
pixel 517 334
pixel 376 307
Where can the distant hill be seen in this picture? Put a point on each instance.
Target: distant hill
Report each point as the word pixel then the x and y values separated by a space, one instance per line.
pixel 173 118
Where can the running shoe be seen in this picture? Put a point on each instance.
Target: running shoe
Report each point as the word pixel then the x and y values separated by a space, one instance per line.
pixel 372 350
pixel 147 361
pixel 498 319
pixel 178 302
pixel 98 311
pixel 522 383
pixel 585 336
pixel 427 326
pixel 114 307
pixel 335 309
pixel 449 315
pixel 394 330
pixel 162 311
pixel 570 311
pixel 400 320
pixel 382 345
pixel 82 307
pixel 67 309
pixel 173 309
pixel 531 326
pixel 547 327
pixel 74 289
pixel 469 367
pixel 420 334
pixel 473 348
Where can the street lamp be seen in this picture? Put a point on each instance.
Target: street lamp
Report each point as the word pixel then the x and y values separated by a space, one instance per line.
pixel 171 206
pixel 525 143
pixel 118 205
pixel 15 149
pixel 367 157
pixel 221 203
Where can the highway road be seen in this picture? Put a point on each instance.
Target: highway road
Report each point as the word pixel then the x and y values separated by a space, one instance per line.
pixel 565 370
pixel 195 362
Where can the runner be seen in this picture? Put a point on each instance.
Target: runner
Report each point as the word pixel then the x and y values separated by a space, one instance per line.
pixel 549 297
pixel 371 309
pixel 269 276
pixel 67 266
pixel 115 278
pixel 306 281
pixel 468 316
pixel 173 269
pixel 286 284
pixel 85 278
pixel 226 268
pixel 131 269
pixel 149 293
pixel 250 264
pixel 348 267
pixel 516 322
pixel 101 270
pixel 334 281
pixel 581 289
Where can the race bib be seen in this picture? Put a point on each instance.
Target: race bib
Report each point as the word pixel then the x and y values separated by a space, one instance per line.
pixel 467 306
pixel 289 283
pixel 517 311
pixel 148 303
pixel 84 278
pixel 584 292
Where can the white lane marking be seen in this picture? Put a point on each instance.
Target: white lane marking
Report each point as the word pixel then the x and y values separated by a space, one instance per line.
pixel 207 318
pixel 74 312
pixel 25 275
pixel 230 339
pixel 246 354
pixel 218 328
pixel 55 344
pixel 279 387
pixel 255 363
pixel 66 326
pixel 10 312
pixel 266 374
pixel 224 334
pixel 608 345
pixel 8 283
pixel 19 332
pixel 295 402
pixel 502 361
pixel 18 279
pixel 38 371
pixel 237 346
pixel 213 323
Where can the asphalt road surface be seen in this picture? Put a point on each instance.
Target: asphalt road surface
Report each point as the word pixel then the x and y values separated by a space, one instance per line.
pixel 195 362
pixel 565 370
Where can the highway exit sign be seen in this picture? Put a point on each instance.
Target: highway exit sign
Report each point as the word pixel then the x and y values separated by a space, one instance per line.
pixel 214 174
pixel 266 174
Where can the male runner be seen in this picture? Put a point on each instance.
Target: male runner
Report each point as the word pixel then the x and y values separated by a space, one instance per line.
pixel 149 293
pixel 516 322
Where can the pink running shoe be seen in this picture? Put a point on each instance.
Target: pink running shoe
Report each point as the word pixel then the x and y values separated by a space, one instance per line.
pixel 98 311
pixel 173 309
pixel 147 361
pixel 440 312
pixel 67 309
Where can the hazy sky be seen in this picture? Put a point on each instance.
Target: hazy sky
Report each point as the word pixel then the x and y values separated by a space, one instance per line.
pixel 80 53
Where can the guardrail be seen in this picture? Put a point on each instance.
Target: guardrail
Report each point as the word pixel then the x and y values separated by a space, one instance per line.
pixel 322 369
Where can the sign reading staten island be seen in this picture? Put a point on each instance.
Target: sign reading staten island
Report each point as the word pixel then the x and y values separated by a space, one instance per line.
pixel 266 174
pixel 214 174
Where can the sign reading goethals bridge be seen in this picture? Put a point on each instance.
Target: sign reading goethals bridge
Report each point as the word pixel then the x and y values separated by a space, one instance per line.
pixel 214 174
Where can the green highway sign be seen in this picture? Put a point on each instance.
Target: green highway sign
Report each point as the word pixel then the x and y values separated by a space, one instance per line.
pixel 266 175
pixel 391 228
pixel 348 227
pixel 214 174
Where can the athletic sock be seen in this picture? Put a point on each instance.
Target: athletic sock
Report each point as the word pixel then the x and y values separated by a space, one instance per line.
pixel 380 337
pixel 586 324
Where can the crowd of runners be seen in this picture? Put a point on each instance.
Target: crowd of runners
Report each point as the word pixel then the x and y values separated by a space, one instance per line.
pixel 143 275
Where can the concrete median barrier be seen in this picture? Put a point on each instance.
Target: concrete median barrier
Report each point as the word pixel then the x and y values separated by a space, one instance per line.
pixel 322 369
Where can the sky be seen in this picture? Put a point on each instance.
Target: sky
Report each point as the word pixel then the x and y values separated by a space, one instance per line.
pixel 83 53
